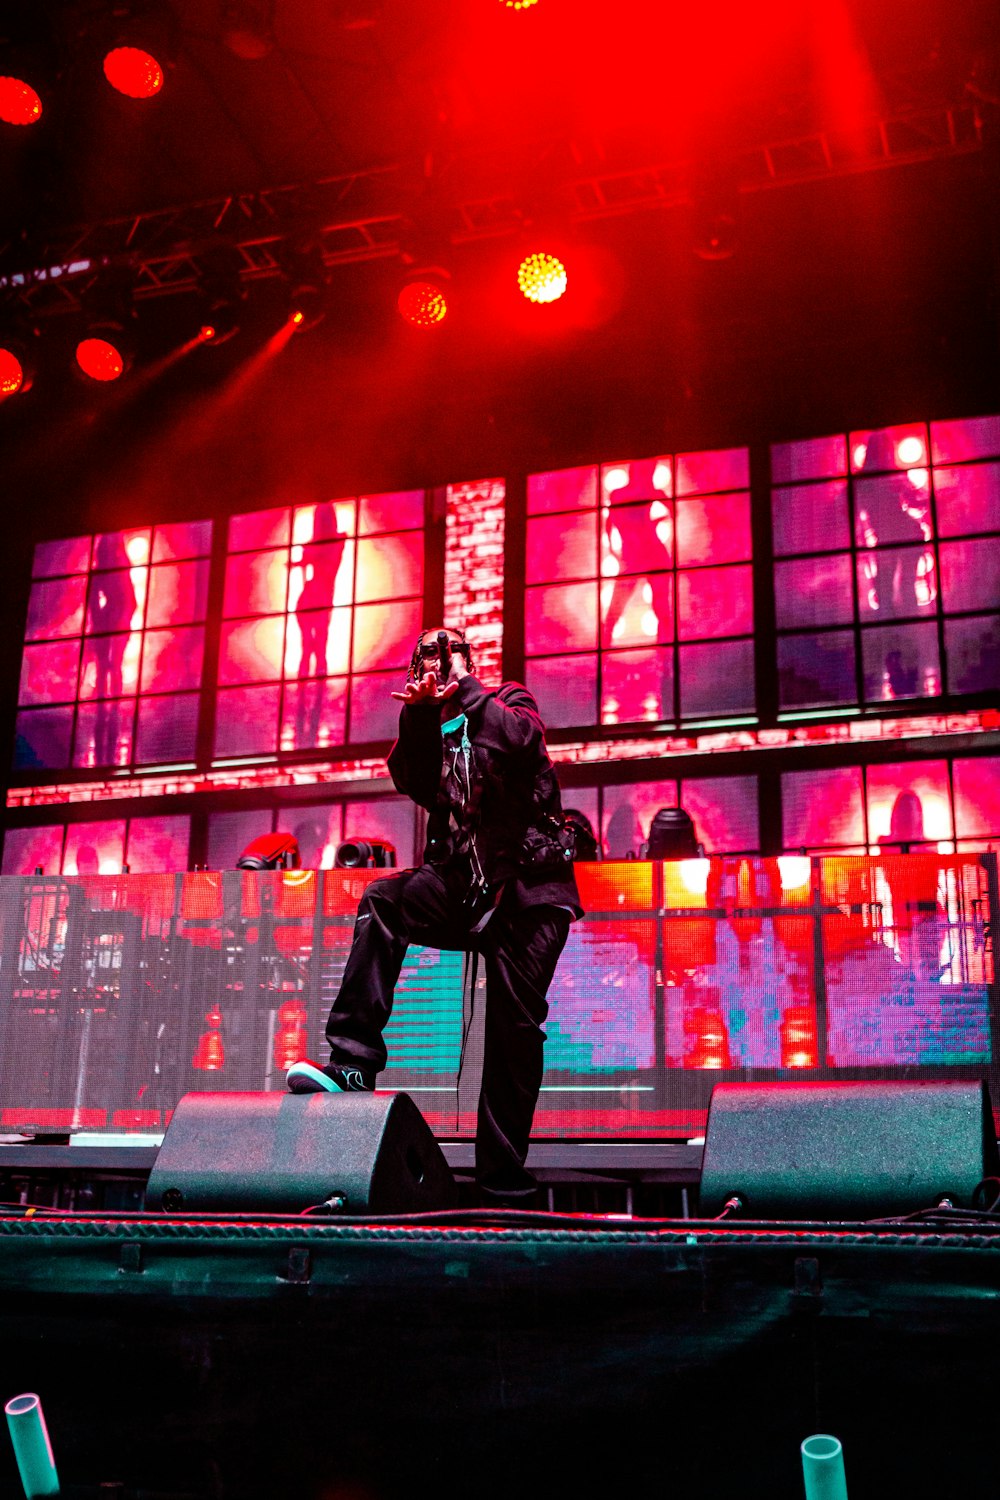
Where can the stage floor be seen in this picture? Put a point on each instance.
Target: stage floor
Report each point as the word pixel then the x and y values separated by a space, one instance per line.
pixel 488 1355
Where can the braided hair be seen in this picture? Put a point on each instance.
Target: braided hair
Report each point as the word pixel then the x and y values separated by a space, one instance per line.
pixel 464 648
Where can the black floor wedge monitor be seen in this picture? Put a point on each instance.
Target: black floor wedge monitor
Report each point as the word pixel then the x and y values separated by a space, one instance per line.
pixel 282 1153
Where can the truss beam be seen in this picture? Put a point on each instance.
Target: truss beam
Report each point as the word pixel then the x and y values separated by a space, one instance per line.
pixel 362 216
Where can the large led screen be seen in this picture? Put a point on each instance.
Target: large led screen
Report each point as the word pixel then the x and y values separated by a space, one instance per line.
pixel 885 576
pixel 895 808
pixel 321 606
pixel 316 608
pixel 125 992
pixel 639 599
pixel 114 645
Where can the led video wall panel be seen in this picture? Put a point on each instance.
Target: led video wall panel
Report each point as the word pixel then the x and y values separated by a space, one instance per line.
pixel 125 992
pixel 319 828
pixel 321 607
pixel 114 646
pixel 99 847
pixel 639 600
pixel 885 577
pixel 943 805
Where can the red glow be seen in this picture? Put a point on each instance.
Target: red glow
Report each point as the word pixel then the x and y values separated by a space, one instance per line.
pixel 799 1043
pixel 423 303
pixel 206 333
pixel 518 4
pixel 292 1036
pixel 134 72
pixel 19 104
pixel 542 277
pixel 99 359
pixel 11 373
pixel 297 318
pixel 210 1053
pixel 706 1039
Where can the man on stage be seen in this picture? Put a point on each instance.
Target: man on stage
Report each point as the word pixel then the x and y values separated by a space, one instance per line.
pixel 497 879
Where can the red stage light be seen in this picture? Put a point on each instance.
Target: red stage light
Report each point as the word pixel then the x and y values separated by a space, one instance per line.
pixel 19 104
pixel 11 373
pixel 542 277
pixel 134 72
pixel 99 359
pixel 297 317
pixel 423 303
pixel 518 4
pixel 206 333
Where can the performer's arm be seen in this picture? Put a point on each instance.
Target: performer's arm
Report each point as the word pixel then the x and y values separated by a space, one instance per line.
pixel 415 759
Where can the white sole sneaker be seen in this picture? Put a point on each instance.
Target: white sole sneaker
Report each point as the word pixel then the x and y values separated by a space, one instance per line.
pixel 306 1078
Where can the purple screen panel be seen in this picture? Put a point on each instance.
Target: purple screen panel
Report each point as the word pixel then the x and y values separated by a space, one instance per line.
pixel 811 518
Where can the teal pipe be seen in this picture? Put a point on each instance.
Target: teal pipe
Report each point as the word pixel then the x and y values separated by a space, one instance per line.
pixel 32 1448
pixel 823 1468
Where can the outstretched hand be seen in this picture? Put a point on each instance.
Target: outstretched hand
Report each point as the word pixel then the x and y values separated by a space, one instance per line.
pixel 426 689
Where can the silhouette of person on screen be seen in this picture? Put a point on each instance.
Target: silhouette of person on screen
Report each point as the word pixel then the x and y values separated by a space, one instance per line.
pixel 110 607
pixel 639 531
pixel 321 560
pixel 312 836
pixel 894 513
pixel 917 915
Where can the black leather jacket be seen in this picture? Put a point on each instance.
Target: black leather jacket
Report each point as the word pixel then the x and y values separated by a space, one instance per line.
pixel 511 787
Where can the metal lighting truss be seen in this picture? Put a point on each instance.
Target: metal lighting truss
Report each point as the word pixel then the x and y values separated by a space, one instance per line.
pixel 361 216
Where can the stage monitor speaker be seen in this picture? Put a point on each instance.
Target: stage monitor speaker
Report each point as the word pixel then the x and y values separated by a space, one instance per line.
pixel 845 1150
pixel 282 1153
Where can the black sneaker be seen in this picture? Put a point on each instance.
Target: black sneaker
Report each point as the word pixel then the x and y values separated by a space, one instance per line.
pixel 307 1078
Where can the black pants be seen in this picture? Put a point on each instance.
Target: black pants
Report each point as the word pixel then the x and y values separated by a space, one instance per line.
pixel 520 948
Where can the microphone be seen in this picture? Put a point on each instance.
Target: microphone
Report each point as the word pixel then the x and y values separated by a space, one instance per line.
pixel 444 656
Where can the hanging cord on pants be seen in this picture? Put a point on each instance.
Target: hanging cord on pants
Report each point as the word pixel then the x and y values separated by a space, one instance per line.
pixel 470 978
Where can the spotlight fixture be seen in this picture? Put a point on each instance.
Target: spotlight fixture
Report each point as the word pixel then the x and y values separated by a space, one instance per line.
pixel 715 237
pixel 106 343
pixel 672 835
pixel 221 296
pixel 423 297
pixel 32 61
pixel 308 280
pixel 542 277
pixel 17 364
pixel 365 854
pixel 221 320
pixel 133 72
pixel 307 305
pixel 272 851
pixel 716 219
pixel 20 104
pixel 11 373
pixel 138 43
pixel 101 354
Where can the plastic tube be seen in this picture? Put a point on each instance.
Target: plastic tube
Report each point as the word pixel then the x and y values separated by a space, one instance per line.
pixel 32 1448
pixel 823 1468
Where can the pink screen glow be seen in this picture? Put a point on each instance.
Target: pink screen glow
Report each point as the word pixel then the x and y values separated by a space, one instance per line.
pixel 125 609
pixel 312 612
pixel 625 560
pixel 894 562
